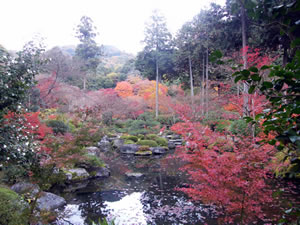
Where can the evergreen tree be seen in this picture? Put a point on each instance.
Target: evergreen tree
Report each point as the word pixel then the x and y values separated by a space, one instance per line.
pixel 87 51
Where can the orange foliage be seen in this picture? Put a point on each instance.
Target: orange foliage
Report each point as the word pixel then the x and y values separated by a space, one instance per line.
pixel 124 89
pixel 231 107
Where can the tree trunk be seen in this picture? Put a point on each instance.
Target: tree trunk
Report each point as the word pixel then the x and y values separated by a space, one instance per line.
pixel 156 89
pixel 84 82
pixel 244 38
pixel 202 90
pixel 191 80
pixel 206 89
pixel 285 56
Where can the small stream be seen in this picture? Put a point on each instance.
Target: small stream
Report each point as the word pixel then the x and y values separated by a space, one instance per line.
pixel 150 199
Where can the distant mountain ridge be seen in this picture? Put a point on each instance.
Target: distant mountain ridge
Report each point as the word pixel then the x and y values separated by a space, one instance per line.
pixel 107 50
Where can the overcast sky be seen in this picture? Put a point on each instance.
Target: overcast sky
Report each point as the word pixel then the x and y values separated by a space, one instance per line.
pixel 119 22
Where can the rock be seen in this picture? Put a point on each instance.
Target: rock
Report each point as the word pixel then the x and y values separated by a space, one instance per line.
pixel 100 172
pixel 93 151
pixel 104 144
pixel 134 175
pixel 76 186
pixel 26 187
pixel 77 174
pixel 176 141
pixel 158 150
pixel 143 153
pixel 118 142
pixel 171 145
pixel 48 201
pixel 129 149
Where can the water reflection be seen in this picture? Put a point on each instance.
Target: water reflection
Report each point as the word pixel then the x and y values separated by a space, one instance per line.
pixel 150 200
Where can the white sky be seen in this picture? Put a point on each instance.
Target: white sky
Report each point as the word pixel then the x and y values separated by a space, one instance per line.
pixel 119 22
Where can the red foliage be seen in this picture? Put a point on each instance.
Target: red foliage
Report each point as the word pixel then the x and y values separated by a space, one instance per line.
pixel 34 125
pixel 232 177
pixel 30 124
pixel 255 58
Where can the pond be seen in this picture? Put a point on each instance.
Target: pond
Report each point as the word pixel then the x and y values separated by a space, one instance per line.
pixel 149 199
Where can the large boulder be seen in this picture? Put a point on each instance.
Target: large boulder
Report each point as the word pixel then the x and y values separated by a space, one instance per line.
pixel 129 149
pixel 118 142
pixel 100 172
pixel 171 145
pixel 26 188
pixel 93 151
pixel 158 150
pixel 48 201
pixel 104 144
pixel 77 174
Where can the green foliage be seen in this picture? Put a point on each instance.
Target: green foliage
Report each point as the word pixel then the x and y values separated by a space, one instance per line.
pixel 94 161
pixel 167 120
pixel 240 128
pixel 145 124
pixel 14 173
pixel 161 141
pixel 222 125
pixel 127 142
pixel 87 50
pixel 103 222
pixel 130 137
pixel 149 143
pixel 151 137
pixel 16 79
pixel 13 210
pixel 85 137
pixel 58 126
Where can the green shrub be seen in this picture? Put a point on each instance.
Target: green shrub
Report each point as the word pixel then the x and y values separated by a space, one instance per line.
pixel 119 124
pixel 149 143
pixel 85 137
pixel 240 127
pixel 14 173
pixel 94 161
pixel 141 136
pixel 222 125
pixel 167 120
pixel 130 137
pixel 151 137
pixel 13 210
pixel 127 142
pixel 58 126
pixel 161 141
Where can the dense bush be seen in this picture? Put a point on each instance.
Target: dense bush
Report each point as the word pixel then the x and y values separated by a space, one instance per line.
pixel 151 137
pixel 58 127
pixel 149 143
pixel 167 120
pixel 130 137
pixel 161 141
pixel 240 128
pixel 13 210
pixel 222 125
pixel 14 173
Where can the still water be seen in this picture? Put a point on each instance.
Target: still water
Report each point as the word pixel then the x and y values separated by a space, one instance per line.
pixel 150 199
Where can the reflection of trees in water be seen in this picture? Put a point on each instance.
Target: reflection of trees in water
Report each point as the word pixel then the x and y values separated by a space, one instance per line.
pixel 164 205
pixel 93 206
pixel 161 203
